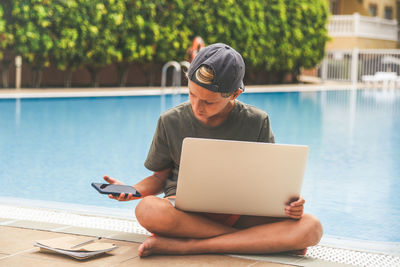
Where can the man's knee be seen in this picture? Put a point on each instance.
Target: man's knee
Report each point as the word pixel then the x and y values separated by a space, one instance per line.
pixel 313 230
pixel 154 214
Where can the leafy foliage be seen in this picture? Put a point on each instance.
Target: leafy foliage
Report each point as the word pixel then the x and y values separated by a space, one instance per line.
pixel 6 36
pixel 67 36
pixel 306 20
pixel 175 30
pixel 6 40
pixel 33 31
pixel 137 36
pixel 274 36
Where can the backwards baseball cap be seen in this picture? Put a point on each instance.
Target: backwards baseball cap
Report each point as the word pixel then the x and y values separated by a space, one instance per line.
pixel 227 65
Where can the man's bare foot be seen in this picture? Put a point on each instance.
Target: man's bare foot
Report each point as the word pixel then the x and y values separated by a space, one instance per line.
pixel 163 245
pixel 300 252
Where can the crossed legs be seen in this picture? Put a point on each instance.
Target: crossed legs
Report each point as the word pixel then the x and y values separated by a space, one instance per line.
pixel 190 233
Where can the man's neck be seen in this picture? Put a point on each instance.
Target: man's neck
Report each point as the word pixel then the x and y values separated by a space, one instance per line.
pixel 219 118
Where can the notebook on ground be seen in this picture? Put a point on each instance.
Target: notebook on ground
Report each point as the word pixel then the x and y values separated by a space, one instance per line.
pixel 237 177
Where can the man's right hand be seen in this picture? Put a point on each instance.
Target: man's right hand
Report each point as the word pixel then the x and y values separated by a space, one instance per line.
pixel 121 196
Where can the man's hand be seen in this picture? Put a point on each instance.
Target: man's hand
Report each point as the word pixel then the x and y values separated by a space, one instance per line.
pixel 295 208
pixel 121 196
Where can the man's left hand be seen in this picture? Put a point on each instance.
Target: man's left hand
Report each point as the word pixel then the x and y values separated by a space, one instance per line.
pixel 295 209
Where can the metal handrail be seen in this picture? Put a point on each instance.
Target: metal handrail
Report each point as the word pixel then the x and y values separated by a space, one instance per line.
pixel 185 64
pixel 176 80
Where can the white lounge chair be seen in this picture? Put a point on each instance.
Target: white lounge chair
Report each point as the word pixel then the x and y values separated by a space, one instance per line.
pixel 387 79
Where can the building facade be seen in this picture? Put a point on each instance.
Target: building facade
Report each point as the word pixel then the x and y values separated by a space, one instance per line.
pixel 365 24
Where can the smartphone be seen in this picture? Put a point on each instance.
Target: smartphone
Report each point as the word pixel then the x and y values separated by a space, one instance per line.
pixel 115 189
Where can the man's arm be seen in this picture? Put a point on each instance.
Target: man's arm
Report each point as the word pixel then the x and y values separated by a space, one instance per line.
pixel 154 184
pixel 151 185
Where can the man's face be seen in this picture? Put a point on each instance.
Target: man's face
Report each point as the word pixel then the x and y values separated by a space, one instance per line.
pixel 208 105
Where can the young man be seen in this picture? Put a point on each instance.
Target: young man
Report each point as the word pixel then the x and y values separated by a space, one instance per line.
pixel 215 81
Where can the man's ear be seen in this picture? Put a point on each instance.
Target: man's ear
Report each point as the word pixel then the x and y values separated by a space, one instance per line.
pixel 237 93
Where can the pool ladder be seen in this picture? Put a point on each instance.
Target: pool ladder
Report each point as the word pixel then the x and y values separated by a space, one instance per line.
pixel 176 79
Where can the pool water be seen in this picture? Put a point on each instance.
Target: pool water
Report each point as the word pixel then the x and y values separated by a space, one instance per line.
pixel 52 149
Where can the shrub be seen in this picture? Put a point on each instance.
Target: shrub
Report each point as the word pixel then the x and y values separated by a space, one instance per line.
pixel 137 35
pixel 274 36
pixel 32 33
pixel 307 28
pixel 6 40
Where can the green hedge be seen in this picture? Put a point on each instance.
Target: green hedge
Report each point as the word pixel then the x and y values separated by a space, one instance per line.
pixel 274 36
pixel 6 39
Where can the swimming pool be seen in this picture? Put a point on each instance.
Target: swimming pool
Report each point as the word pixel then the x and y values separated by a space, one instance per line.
pixel 52 149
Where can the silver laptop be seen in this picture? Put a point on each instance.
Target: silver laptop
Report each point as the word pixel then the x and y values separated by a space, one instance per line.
pixel 236 177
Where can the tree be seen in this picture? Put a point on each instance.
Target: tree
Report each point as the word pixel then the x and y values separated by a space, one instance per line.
pixel 254 28
pixel 6 40
pixel 100 22
pixel 276 36
pixel 137 36
pixel 276 44
pixel 32 33
pixel 67 53
pixel 175 30
pixel 307 21
pixel 174 35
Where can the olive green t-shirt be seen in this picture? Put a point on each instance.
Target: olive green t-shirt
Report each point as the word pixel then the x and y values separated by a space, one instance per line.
pixel 244 123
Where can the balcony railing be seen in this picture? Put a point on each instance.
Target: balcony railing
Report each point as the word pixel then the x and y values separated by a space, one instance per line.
pixel 352 65
pixel 361 26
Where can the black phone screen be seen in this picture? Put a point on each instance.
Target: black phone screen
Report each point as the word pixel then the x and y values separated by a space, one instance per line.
pixel 115 189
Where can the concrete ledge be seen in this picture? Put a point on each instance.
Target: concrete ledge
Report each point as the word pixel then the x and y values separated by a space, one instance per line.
pixel 148 91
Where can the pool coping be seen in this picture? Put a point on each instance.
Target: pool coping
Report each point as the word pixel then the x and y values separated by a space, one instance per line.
pixel 151 91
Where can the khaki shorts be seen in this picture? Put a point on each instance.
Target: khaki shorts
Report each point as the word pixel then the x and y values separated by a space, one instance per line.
pixel 225 219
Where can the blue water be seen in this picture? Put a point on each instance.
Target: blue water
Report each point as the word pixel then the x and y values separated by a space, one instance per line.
pixel 52 149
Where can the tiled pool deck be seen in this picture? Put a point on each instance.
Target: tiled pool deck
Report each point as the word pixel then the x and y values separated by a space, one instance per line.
pixel 17 250
pixel 22 224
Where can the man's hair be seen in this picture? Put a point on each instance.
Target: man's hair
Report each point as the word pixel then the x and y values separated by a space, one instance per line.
pixel 205 75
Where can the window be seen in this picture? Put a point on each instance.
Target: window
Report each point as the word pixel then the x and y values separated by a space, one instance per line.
pixel 388 12
pixel 398 11
pixel 334 7
pixel 373 10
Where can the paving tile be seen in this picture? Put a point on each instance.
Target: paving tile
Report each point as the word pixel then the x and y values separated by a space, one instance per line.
pixel 13 240
pixel 2 220
pixel 89 231
pixel 122 254
pixel 292 260
pixel 21 261
pixel 277 258
pixel 310 262
pixel 271 264
pixel 36 225
pixel 16 249
pixel 191 260
pixel 137 238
